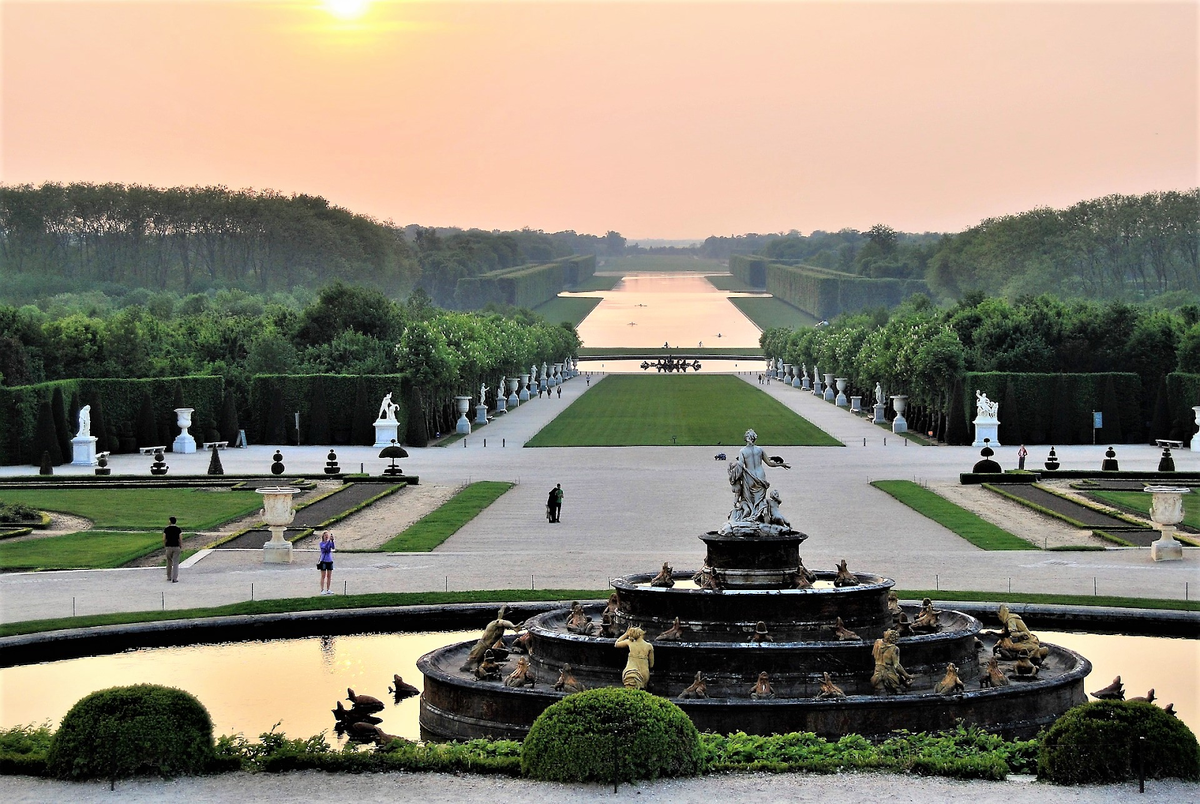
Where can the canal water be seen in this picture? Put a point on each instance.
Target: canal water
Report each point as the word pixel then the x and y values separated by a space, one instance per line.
pixel 249 687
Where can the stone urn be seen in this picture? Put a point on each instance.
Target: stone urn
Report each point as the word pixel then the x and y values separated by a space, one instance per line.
pixel 463 425
pixel 513 401
pixel 523 393
pixel 787 373
pixel 1166 509
pixel 277 514
pixel 830 393
pixel 841 401
pixel 1196 436
pixel 184 442
pixel 557 377
pixel 899 402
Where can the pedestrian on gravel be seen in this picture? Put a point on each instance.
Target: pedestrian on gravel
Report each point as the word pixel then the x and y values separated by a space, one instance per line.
pixel 560 392
pixel 325 564
pixel 557 494
pixel 172 545
pixel 1022 454
pixel 550 506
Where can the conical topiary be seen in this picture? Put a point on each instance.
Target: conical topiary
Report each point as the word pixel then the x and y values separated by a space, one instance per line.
pixel 417 434
pixel 47 468
pixel 45 436
pixel 229 419
pixel 61 429
pixel 1160 424
pixel 1111 412
pixel 318 414
pixel 146 431
pixel 957 432
pixel 214 463
pixel 1060 422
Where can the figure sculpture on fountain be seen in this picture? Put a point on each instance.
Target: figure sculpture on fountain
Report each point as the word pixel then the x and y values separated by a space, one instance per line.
pixel 754 512
pixel 636 674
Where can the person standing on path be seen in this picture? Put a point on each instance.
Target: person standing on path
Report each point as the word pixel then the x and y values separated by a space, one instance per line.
pixel 1022 454
pixel 560 392
pixel 325 564
pixel 172 545
pixel 550 506
pixel 557 494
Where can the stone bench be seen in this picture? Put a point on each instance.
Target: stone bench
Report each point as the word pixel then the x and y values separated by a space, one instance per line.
pixel 1166 442
pixel 151 450
pixel 217 444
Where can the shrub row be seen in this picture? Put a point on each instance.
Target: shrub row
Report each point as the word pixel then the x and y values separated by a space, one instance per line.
pixel 751 270
pixel 1057 408
pixel 524 285
pixel 825 293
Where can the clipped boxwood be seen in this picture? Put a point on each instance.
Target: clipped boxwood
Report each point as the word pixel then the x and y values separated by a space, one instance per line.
pixel 127 731
pixel 1097 742
pixel 579 738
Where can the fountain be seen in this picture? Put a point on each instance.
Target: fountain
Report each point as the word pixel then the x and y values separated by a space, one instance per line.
pixel 759 643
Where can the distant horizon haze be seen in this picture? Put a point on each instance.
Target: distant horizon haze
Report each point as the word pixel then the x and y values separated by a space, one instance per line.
pixel 661 120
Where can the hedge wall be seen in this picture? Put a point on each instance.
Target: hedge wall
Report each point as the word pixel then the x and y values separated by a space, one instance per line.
pixel 1057 408
pixel 121 400
pixel 751 270
pixel 525 285
pixel 826 293
pixel 275 399
pixel 1183 393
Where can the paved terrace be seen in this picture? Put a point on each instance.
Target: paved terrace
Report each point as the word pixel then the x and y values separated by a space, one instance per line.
pixel 627 510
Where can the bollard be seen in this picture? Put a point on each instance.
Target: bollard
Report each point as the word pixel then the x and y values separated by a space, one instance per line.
pixel 447 586
pixel 464 443
pixel 1141 764
pixel 361 470
pixel 531 582
pixel 73 605
pixel 502 442
pixel 1185 590
pixel 864 442
pixel 1095 588
pixel 164 601
pixel 345 586
pixel 1010 585
pixel 485 443
pixel 937 583
pixel 252 591
pixel 906 442
pixel 885 441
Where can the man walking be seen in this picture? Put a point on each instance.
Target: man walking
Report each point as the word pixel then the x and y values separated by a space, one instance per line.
pixel 1022 454
pixel 557 494
pixel 172 544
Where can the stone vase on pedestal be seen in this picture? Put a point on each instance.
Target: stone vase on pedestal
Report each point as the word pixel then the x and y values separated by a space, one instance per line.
pixel 277 514
pixel 830 394
pixel 1166 509
pixel 841 401
pixel 513 401
pixel 799 379
pixel 1196 436
pixel 184 442
pixel 899 425
pixel 787 373
pixel 463 425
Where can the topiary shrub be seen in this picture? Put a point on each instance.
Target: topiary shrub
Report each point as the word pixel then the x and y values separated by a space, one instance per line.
pixel 1097 743
pixel 580 738
pixel 126 731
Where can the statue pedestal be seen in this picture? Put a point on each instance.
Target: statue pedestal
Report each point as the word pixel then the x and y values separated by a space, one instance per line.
pixel 841 400
pixel 277 552
pixel 83 450
pixel 183 443
pixel 385 432
pixel 856 404
pixel 501 404
pixel 463 425
pixel 880 414
pixel 797 382
pixel 986 428
pixel 481 414
pixel 1196 436
pixel 1165 548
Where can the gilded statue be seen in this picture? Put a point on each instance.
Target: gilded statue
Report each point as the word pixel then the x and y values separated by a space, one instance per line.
pixel 927 619
pixel 494 630
pixel 636 674
pixel 890 675
pixel 994 676
pixel 488 669
pixel 663 579
pixel 1015 637
pixel 522 676
pixel 762 689
pixel 614 604
pixel 843 633
pixel 950 684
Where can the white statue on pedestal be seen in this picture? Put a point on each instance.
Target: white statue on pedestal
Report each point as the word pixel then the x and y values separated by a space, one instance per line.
pixel 483 389
pixel 387 428
pixel 987 409
pixel 987 421
pixel 85 421
pixel 387 409
pixel 878 393
pixel 83 445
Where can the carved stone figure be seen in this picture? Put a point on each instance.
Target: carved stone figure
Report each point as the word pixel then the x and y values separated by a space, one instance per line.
pixel 85 422
pixel 707 580
pixel 829 689
pixel 890 675
pixel 762 689
pixel 636 674
pixel 672 634
pixel 345 716
pixel 521 676
pixel 608 626
pixel 663 579
pixel 950 684
pixel 1015 636
pixel 494 630
pixel 697 689
pixel 369 733
pixel 844 576
pixel 1113 692
pixel 760 634
pixel 577 621
pixel 878 394
pixel 843 633
pixel 401 689
pixel 1147 698
pixel 994 677
pixel 1170 710
pixel 774 517
pixel 523 643
pixel 751 514
pixel 488 669
pixel 500 651
pixel 804 576
pixel 927 619
pixel 483 389
pixel 1024 670
pixel 387 408
pixel 893 603
pixel 364 702
pixel 986 408
pixel 614 604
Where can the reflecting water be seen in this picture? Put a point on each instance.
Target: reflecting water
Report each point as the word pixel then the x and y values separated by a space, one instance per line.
pixel 250 686
pixel 679 309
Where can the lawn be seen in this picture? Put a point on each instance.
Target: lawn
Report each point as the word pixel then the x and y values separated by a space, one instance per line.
pixel 730 283
pixel 140 509
pixel 1140 501
pixel 978 532
pixel 570 309
pixel 667 263
pixel 660 410
pixel 92 549
pixel 768 311
pixel 595 283
pixel 439 525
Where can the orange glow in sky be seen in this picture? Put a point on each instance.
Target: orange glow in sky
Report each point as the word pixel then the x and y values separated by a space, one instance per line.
pixel 657 119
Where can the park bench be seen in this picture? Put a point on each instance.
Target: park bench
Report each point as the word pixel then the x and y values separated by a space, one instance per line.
pixel 217 444
pixel 151 450
pixel 1166 442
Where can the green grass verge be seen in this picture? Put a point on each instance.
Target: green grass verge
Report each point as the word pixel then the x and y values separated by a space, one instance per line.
pixel 91 549
pixel 570 309
pixel 595 283
pixel 768 311
pixel 731 284
pixel 978 532
pixel 140 509
pixel 284 605
pixel 709 410
pixel 1139 502
pixel 439 525
pixel 1103 601
pixel 667 263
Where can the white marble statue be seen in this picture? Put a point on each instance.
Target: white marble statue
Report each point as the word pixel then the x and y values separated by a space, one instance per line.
pixel 987 409
pixel 483 389
pixel 387 409
pixel 85 422
pixel 753 511
pixel 878 393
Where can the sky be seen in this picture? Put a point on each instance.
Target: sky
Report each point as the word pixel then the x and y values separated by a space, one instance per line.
pixel 659 119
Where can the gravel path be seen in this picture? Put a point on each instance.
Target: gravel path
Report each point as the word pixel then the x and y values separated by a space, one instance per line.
pixel 308 786
pixel 1039 529
pixel 380 521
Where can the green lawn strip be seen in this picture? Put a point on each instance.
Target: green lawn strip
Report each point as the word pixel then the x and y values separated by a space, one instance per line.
pixel 654 351
pixel 978 532
pixel 1101 601
pixel 705 410
pixel 595 283
pixel 136 509
pixel 439 525
pixel 768 311
pixel 292 604
pixel 90 549
pixel 570 309
pixel 731 284
pixel 1139 502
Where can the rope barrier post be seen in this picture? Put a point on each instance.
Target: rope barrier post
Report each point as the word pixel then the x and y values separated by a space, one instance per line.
pixel 164 600
pixel 345 587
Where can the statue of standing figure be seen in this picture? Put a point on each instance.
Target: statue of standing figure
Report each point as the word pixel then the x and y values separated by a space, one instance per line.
pixel 636 674
pixel 878 394
pixel 387 408
pixel 483 389
pixel 85 422
pixel 753 511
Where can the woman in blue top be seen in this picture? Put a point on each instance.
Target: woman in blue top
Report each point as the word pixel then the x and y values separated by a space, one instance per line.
pixel 325 565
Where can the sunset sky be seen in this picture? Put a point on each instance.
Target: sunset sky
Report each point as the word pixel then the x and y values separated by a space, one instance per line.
pixel 657 119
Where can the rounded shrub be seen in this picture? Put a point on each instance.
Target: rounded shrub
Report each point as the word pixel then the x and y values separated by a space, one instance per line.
pixel 127 731
pixel 1097 742
pixel 611 733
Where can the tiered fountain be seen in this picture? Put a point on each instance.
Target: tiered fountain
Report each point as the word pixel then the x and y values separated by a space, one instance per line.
pixel 754 610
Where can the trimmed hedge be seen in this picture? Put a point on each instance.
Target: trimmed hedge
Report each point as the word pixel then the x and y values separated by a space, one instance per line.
pixel 1057 408
pixel 826 294
pixel 578 739
pixel 751 270
pixel 523 285
pixel 1183 393
pixel 128 731
pixel 275 398
pixel 1098 743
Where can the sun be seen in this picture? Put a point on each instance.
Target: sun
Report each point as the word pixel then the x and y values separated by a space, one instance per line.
pixel 347 9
